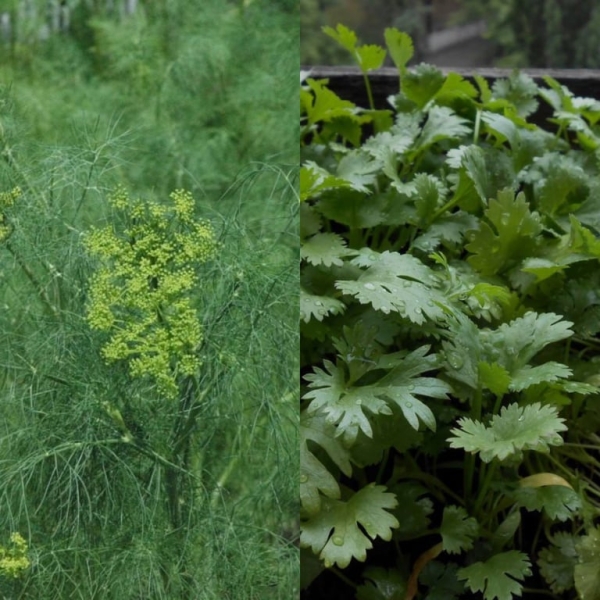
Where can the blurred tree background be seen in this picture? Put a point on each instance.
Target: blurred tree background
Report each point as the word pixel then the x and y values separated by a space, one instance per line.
pixel 469 33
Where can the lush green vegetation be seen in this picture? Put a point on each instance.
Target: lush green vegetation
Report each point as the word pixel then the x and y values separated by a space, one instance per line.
pixel 149 335
pixel 541 33
pixel 449 340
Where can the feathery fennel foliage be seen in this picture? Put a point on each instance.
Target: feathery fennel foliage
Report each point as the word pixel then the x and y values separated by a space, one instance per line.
pixel 180 482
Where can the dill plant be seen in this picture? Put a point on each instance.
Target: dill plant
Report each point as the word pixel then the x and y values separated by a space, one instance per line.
pixel 92 474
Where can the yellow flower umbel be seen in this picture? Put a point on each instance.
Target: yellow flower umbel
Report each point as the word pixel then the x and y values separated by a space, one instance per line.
pixel 13 559
pixel 141 293
pixel 7 199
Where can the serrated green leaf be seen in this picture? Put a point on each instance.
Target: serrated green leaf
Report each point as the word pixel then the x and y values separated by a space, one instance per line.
pixel 314 180
pixel 416 509
pixel 314 476
pixel 381 584
pixel 421 84
pixel 400 47
pixel 343 405
pixel 318 307
pixel 442 124
pixel 359 170
pixel 547 373
pixel 494 377
pixel 520 90
pixel 334 533
pixel 510 237
pixel 455 87
pixel 326 104
pixel 520 340
pixel 345 37
pixel 557 562
pixel 325 249
pixel 587 570
pixel 442 581
pixel 533 427
pixel 502 128
pixel 498 578
pixel 370 57
pixel 557 501
pixel 458 530
pixel 399 283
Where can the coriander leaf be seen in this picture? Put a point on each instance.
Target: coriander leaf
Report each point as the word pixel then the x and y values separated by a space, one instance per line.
pixel 557 562
pixel 533 427
pixel 442 124
pixel 381 584
pixel 449 229
pixel 403 391
pixel 520 90
pixel 463 352
pixel 429 194
pixel 442 581
pixel 458 530
pixel 496 577
pixel 334 533
pixel 502 128
pixel 343 405
pixel 343 36
pixel 314 180
pixel 510 236
pixel 318 307
pixel 326 105
pixel 421 84
pixel 549 372
pixel 455 87
pixel 370 57
pixel 587 571
pixel 399 283
pixel 400 47
pixel 416 509
pixel 314 476
pixel 494 377
pixel 520 340
pixel 358 169
pixel 557 501
pixel 325 249
pixel 310 222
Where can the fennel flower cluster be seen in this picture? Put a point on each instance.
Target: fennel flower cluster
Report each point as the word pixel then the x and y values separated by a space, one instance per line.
pixel 141 294
pixel 7 199
pixel 13 559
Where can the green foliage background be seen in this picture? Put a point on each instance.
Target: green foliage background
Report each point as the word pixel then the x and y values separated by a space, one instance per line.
pixel 174 96
pixel 541 33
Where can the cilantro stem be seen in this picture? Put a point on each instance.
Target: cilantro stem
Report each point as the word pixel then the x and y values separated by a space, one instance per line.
pixel 369 91
pixel 484 486
pixel 477 127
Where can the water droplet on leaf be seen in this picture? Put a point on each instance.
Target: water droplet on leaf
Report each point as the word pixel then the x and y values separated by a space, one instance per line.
pixel 455 360
pixel 318 303
pixel 303 478
pixel 338 540
pixel 369 286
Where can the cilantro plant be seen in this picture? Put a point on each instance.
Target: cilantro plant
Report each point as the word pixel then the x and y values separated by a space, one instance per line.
pixel 449 316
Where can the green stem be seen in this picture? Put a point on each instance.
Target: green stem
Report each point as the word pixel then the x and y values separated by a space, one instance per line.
pixel 484 486
pixel 369 91
pixel 222 481
pixel 41 292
